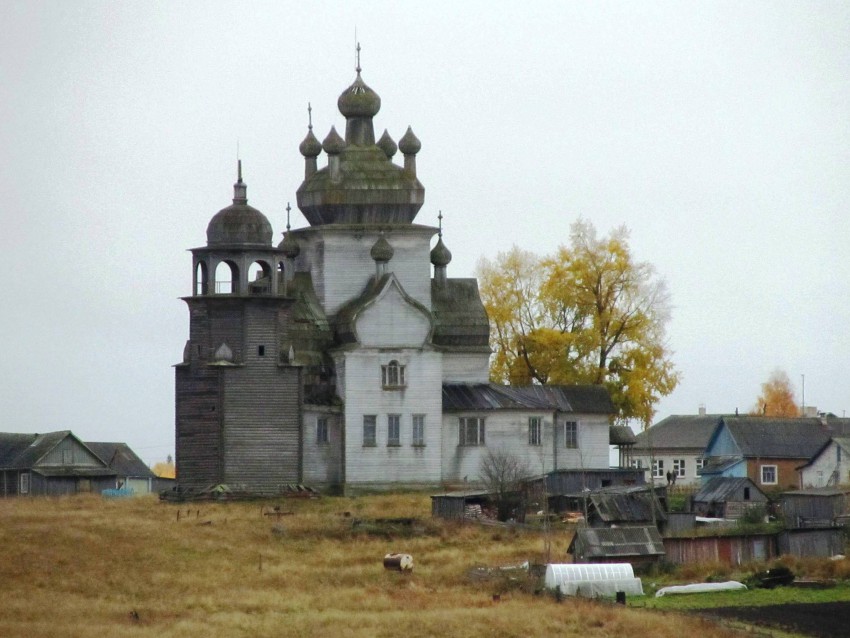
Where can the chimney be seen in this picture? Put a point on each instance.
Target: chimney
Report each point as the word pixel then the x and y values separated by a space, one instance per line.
pixel 702 409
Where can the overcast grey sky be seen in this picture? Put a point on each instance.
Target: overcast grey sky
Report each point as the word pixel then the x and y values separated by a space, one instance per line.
pixel 719 133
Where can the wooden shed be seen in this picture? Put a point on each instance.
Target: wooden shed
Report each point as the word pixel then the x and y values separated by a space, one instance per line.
pixel 816 507
pixel 816 543
pixel 729 549
pixel 467 505
pixel 637 545
pixel 727 497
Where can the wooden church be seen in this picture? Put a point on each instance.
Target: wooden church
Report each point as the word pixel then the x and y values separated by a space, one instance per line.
pixel 345 357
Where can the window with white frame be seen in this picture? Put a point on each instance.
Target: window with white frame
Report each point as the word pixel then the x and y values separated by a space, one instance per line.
pixel 679 467
pixel 769 475
pixel 571 435
pixel 636 463
pixel 535 430
pixel 393 429
pixel 658 468
pixel 419 430
pixel 369 423
pixel 25 483
pixel 699 465
pixel 392 375
pixel 322 430
pixel 471 430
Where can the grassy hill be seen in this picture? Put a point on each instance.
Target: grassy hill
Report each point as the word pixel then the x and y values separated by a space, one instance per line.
pixel 86 566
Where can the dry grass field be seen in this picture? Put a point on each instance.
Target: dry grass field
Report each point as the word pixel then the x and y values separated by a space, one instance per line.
pixel 85 566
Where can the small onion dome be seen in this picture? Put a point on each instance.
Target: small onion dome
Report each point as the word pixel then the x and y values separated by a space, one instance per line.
pixel 440 255
pixel 223 353
pixel 333 144
pixel 409 144
pixel 382 251
pixel 289 246
pixel 310 147
pixel 387 145
pixel 358 100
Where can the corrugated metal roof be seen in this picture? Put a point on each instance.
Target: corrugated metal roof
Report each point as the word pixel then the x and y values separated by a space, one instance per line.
pixel 644 540
pixel 626 504
pixel 578 399
pixel 721 488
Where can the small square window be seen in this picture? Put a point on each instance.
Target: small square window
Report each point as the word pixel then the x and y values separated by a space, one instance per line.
pixel 261 351
pixel 769 475
pixel 471 431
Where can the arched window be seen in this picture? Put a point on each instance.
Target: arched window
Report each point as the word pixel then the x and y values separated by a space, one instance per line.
pixel 392 375
pixel 201 279
pixel 226 278
pixel 260 278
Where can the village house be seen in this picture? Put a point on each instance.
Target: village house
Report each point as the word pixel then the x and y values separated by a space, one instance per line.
pixel 768 450
pixel 675 446
pixel 830 466
pixel 337 358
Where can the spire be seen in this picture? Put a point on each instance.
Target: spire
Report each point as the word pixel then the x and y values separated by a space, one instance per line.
pixel 357 55
pixel 240 189
pixel 289 245
pixel 288 208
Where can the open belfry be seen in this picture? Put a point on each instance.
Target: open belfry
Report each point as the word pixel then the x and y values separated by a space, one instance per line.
pixel 345 356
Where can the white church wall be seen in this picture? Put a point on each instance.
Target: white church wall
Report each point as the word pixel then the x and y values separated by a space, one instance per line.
pixel 466 367
pixel 391 322
pixel 509 431
pixel 382 463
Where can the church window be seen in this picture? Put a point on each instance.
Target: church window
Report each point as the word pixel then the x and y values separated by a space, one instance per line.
pixel 471 431
pixel 392 375
pixel 419 430
pixel 571 435
pixel 369 421
pixel 535 430
pixel 322 430
pixel 261 351
pixel 393 429
pixel 226 278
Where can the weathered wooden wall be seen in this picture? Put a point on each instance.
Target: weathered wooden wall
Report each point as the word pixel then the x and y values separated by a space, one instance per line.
pixel 733 550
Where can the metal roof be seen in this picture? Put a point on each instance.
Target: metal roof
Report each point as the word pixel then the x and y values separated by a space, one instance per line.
pixel 626 504
pixel 22 451
pixel 621 435
pixel 679 431
pixel 768 437
pixel 576 399
pixel 723 488
pixel 602 542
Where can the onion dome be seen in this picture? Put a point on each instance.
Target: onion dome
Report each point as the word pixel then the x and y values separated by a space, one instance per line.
pixel 382 251
pixel 333 144
pixel 289 246
pixel 310 147
pixel 440 255
pixel 409 144
pixel 358 100
pixel 239 224
pixel 387 145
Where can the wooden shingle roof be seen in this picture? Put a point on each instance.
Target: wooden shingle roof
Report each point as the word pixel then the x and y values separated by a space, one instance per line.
pixel 119 457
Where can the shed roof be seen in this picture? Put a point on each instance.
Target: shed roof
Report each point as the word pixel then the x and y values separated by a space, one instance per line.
pixel 681 431
pixel 818 492
pixel 621 435
pixel 619 504
pixel 723 488
pixel 643 540
pixel 576 399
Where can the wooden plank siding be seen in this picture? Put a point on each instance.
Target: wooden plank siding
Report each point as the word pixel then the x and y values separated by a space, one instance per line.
pixel 322 461
pixel 341 265
pixel 732 550
pixel 508 430
pixel 382 464
pixel 199 453
pixel 466 367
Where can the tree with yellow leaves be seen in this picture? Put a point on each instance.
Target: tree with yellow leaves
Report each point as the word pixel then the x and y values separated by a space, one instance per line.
pixel 588 314
pixel 166 469
pixel 777 397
